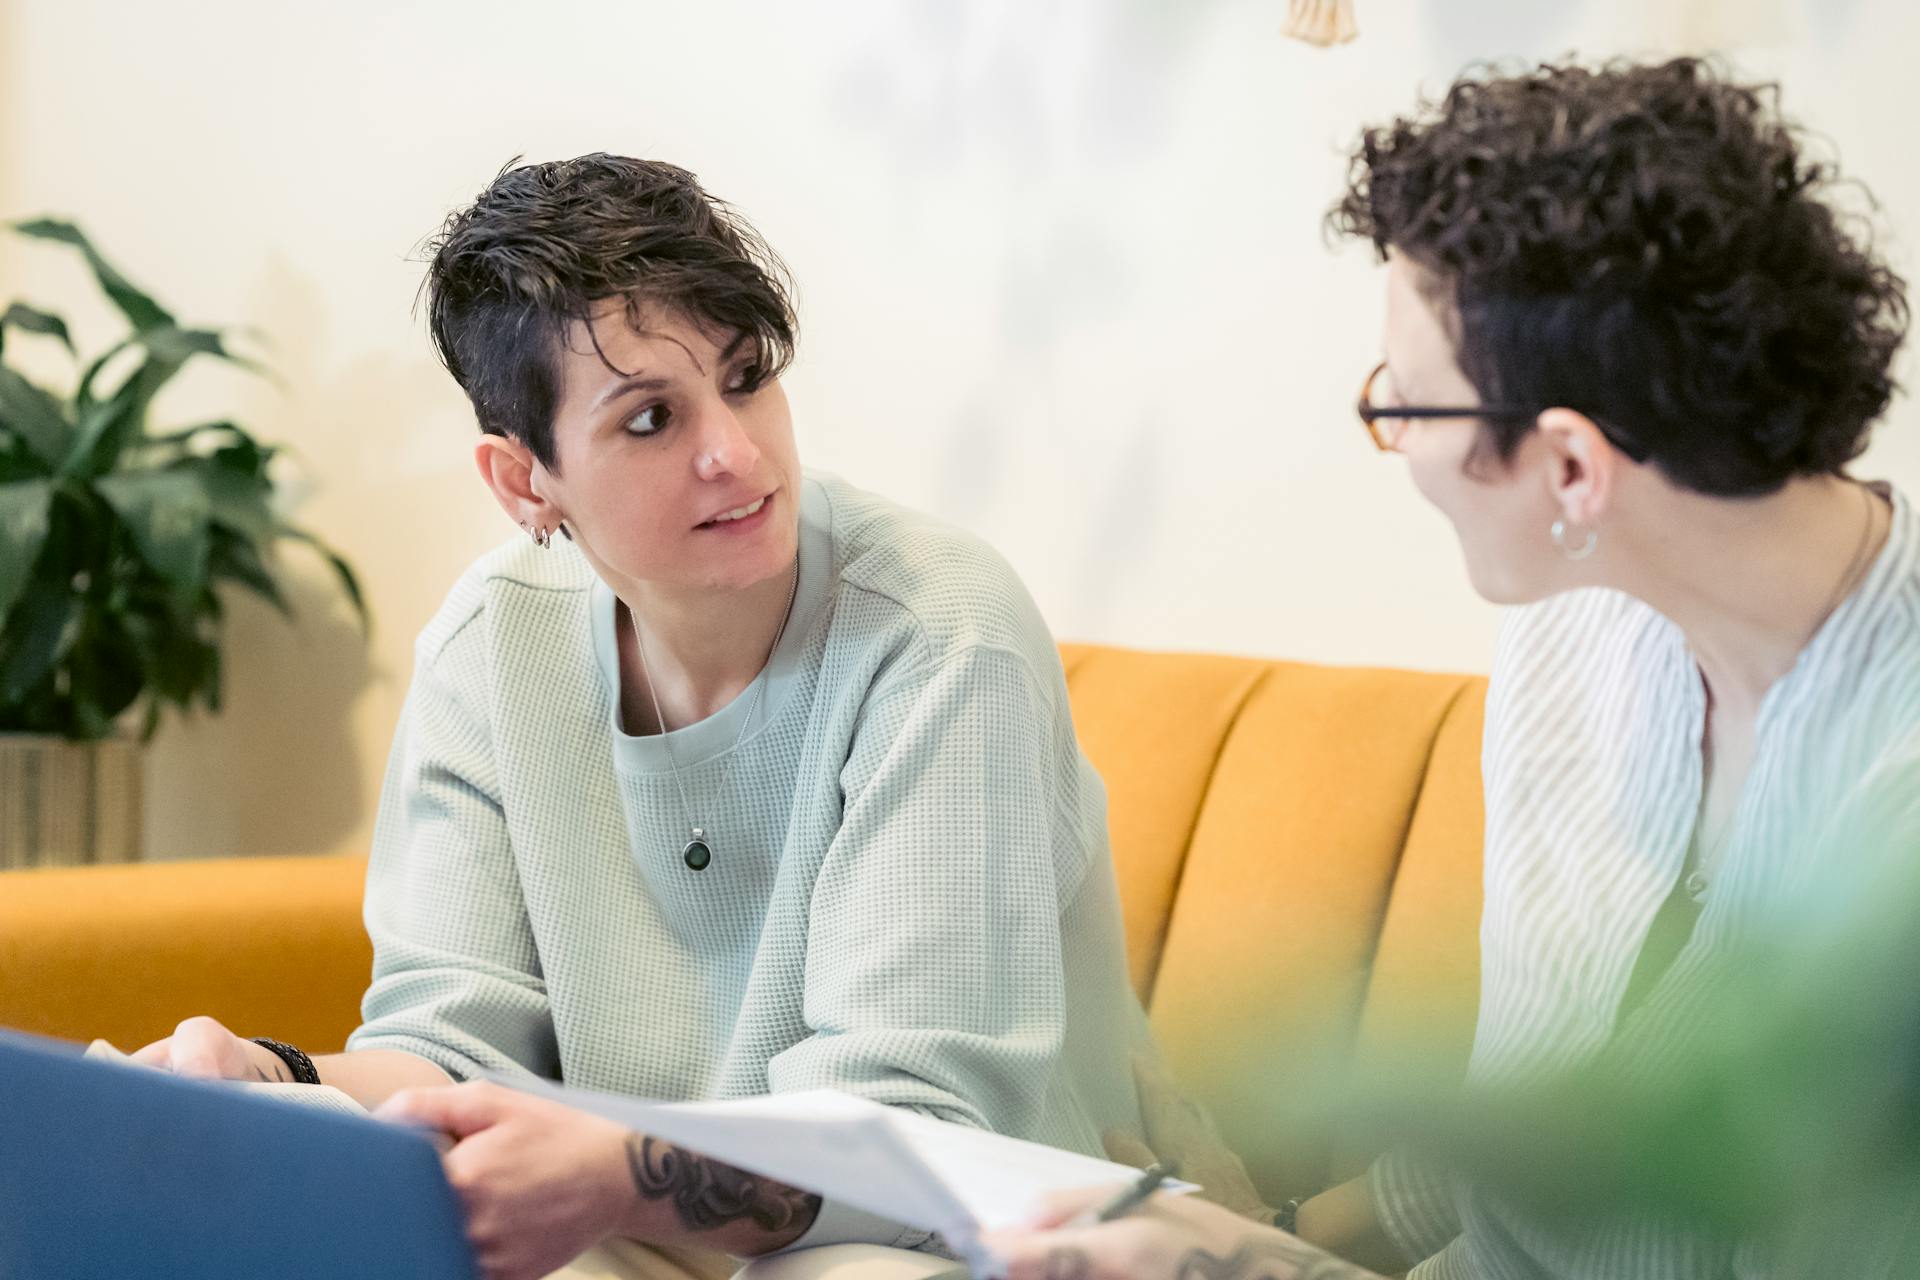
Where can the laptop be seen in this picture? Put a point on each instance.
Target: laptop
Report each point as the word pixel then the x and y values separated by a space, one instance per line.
pixel 109 1172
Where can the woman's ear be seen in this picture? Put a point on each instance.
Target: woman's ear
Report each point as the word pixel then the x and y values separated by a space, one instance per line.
pixel 512 473
pixel 1582 466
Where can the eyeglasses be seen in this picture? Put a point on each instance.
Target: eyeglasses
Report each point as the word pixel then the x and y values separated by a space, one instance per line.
pixel 1387 423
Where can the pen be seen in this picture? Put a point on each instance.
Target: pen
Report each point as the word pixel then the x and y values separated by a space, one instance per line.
pixel 1130 1198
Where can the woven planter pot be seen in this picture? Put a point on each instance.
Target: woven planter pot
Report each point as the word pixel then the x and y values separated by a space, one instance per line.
pixel 67 803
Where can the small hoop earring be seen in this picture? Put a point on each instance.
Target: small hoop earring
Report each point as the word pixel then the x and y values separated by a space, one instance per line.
pixel 542 538
pixel 1581 552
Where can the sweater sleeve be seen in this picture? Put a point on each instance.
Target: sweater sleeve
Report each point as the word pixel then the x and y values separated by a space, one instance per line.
pixel 456 975
pixel 1455 1262
pixel 933 970
pixel 1413 1199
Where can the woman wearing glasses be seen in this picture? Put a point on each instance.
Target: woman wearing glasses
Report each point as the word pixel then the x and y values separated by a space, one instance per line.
pixel 1630 353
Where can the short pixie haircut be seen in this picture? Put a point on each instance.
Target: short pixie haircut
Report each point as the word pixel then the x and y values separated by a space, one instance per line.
pixel 537 250
pixel 1651 246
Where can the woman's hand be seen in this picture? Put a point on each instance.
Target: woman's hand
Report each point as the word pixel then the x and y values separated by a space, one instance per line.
pixel 540 1183
pixel 1180 1134
pixel 202 1047
pixel 1168 1238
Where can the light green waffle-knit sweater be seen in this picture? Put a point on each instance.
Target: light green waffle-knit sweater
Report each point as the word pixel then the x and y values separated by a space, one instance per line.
pixel 910 899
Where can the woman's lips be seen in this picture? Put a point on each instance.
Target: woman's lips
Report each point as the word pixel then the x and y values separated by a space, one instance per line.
pixel 741 519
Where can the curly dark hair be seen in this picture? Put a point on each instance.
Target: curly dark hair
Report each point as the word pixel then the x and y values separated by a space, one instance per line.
pixel 508 275
pixel 1647 244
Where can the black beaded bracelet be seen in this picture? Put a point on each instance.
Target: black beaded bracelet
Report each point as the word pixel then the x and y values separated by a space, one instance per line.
pixel 1287 1216
pixel 297 1062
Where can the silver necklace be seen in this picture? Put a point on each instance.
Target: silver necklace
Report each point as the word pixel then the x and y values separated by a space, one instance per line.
pixel 1703 860
pixel 698 851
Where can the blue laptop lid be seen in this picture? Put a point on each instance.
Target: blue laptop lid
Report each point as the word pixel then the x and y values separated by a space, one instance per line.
pixel 111 1171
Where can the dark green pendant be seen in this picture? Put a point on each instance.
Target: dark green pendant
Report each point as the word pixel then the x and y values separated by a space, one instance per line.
pixel 697 854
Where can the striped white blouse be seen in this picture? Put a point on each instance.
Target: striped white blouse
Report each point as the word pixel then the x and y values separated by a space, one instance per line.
pixel 1593 775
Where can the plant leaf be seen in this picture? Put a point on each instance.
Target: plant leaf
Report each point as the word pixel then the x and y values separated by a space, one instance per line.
pixel 49 615
pixel 33 320
pixel 187 435
pixel 105 672
pixel 83 393
pixel 139 309
pixel 23 529
pixel 107 427
pixel 178 344
pixel 17 463
pixel 238 560
pixel 238 495
pixel 166 512
pixel 210 682
pixel 157 637
pixel 34 418
pixel 341 569
pixel 170 344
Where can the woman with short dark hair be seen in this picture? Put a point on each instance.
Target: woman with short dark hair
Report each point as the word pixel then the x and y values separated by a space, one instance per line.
pixel 1630 352
pixel 725 778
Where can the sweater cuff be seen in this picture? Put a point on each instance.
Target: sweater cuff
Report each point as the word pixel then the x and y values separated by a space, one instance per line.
pixel 462 1067
pixel 1413 1200
pixel 1451 1263
pixel 841 1223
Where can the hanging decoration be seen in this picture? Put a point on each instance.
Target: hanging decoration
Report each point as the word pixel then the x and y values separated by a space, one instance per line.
pixel 1320 22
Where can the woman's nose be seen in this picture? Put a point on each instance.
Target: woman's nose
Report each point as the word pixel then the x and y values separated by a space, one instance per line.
pixel 725 447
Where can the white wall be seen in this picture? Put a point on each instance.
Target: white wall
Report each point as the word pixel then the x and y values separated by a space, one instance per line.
pixel 1062 280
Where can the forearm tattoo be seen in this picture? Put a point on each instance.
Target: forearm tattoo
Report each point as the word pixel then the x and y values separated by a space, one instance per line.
pixel 1278 1259
pixel 707 1195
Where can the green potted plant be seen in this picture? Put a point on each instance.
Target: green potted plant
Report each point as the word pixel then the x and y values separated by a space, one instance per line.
pixel 116 541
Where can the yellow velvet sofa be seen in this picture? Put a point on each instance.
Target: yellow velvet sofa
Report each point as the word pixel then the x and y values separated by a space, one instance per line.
pixel 1298 851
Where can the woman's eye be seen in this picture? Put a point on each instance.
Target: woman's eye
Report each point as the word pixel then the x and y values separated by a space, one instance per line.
pixel 747 380
pixel 648 421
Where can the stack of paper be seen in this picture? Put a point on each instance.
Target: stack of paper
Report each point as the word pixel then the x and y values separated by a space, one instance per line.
pixel 910 1168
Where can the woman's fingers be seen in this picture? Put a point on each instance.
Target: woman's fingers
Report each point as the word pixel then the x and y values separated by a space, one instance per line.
pixel 1180 1129
pixel 1125 1148
pixel 158 1054
pixel 461 1109
pixel 1061 1207
pixel 1171 1118
pixel 1111 1249
pixel 202 1047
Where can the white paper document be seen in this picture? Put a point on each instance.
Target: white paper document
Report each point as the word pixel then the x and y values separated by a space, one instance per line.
pixel 913 1169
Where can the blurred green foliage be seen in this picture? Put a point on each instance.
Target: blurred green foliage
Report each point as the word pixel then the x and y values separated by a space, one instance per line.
pixel 115 538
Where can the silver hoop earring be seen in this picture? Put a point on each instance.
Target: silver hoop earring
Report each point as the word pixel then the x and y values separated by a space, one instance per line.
pixel 541 537
pixel 1581 552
